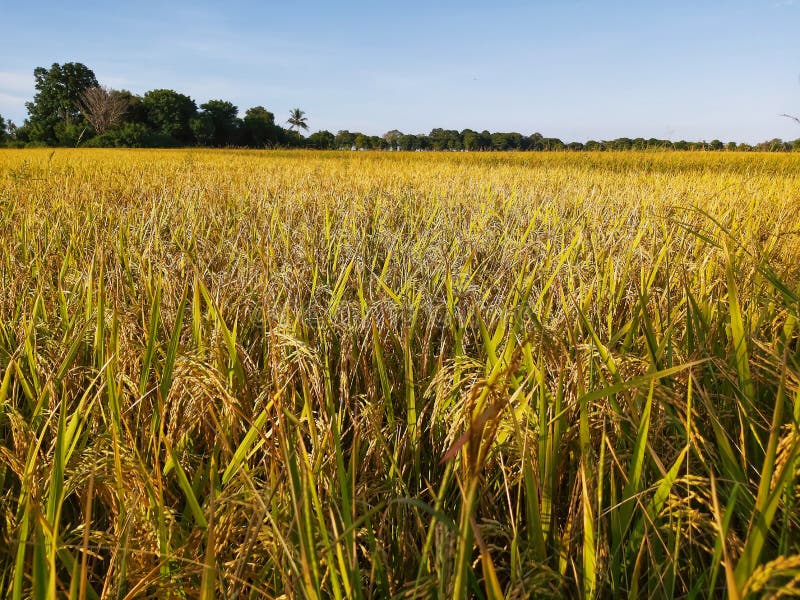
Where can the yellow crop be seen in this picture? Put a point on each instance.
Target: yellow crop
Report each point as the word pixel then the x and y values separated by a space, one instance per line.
pixel 247 374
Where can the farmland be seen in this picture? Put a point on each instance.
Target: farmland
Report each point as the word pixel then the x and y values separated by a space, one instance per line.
pixel 331 374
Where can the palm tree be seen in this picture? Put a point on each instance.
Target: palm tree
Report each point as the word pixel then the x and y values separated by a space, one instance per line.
pixel 297 118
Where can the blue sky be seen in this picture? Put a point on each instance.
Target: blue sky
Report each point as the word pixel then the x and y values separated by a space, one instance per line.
pixel 572 69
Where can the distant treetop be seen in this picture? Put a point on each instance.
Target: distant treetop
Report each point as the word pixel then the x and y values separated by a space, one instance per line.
pixel 70 108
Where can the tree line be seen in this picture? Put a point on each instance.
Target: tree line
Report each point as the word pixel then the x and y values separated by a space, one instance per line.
pixel 71 108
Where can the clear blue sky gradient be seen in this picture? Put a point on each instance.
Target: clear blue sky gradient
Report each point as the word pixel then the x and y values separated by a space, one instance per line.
pixel 571 69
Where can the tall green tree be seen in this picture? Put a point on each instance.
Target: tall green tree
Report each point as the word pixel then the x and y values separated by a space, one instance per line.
pixel 218 124
pixel 136 112
pixel 170 113
pixel 298 120
pixel 344 140
pixel 470 139
pixel 362 142
pixel 321 140
pixel 259 129
pixel 445 139
pixel 290 138
pixel 3 130
pixel 53 115
pixel 392 138
pixel 376 142
pixel 408 142
pixel 535 141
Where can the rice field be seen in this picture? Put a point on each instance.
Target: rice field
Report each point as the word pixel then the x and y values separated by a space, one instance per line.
pixel 244 374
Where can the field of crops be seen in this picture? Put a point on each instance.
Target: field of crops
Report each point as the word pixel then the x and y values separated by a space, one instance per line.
pixel 327 375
